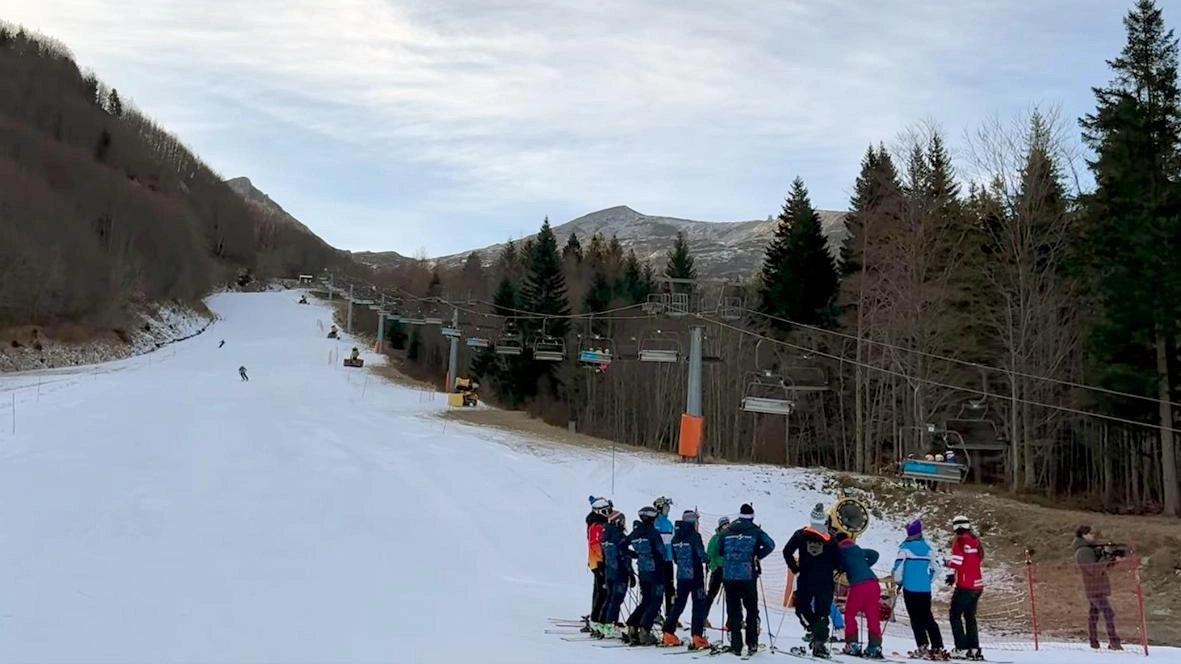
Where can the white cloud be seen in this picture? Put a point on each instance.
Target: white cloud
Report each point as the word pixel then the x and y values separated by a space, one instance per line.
pixel 672 107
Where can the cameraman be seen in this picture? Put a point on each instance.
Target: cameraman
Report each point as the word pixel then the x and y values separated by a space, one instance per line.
pixel 1093 560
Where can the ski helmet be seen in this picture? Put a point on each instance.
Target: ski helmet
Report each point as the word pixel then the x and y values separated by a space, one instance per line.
pixel 662 503
pixel 616 517
pixel 647 513
pixel 961 523
pixel 601 506
pixel 723 521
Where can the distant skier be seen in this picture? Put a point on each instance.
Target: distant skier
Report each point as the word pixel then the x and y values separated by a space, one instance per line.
pixel 914 569
pixel 596 521
pixel 242 373
pixel 223 342
pixel 691 561
pixel 646 546
pixel 815 569
pixel 617 573
pixel 967 556
pixel 665 527
pixel 743 546
pixel 864 597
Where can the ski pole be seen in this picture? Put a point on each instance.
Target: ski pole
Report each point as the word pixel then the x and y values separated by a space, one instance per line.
pixel 770 634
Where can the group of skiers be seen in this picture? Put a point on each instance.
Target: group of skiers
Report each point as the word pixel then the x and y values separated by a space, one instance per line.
pixel 675 567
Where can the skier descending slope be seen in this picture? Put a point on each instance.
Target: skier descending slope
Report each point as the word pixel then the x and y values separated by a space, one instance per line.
pixel 815 577
pixel 617 573
pixel 744 544
pixel 665 527
pixel 646 546
pixel 595 521
pixel 691 560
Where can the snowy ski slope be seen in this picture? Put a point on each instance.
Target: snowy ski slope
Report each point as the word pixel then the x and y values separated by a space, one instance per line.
pixel 158 509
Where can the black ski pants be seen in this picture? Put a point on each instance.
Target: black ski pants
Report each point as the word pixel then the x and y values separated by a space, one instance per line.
pixel 813 606
pixel 963 618
pixel 616 592
pixel 598 596
pixel 922 620
pixel 670 588
pixel 687 588
pixel 644 615
pixel 742 596
pixel 715 586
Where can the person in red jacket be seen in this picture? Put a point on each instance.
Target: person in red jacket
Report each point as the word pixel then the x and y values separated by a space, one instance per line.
pixel 596 522
pixel 967 554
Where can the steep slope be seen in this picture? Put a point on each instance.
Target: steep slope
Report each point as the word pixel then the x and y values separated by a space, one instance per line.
pixel 247 190
pixel 104 212
pixel 721 249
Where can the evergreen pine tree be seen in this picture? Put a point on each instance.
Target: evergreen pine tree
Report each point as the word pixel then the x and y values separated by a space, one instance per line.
pixel 573 249
pixel 114 103
pixel 799 276
pixel 544 291
pixel 875 193
pixel 1134 225
pixel 680 260
pixel 634 286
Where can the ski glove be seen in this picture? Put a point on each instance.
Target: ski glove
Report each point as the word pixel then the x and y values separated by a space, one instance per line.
pixel 950 580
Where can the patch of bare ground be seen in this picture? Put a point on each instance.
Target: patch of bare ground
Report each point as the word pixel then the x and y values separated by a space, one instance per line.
pixel 1010 527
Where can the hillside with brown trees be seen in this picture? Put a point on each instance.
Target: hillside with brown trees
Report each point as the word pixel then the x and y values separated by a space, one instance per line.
pixel 101 208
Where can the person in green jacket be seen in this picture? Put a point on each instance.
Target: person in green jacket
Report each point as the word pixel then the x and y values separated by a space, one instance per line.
pixel 716 561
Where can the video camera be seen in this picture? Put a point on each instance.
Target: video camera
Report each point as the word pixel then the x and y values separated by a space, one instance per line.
pixel 1111 551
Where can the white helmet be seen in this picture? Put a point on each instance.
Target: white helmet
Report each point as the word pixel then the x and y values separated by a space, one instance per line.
pixel 601 506
pixel 961 522
pixel 939 457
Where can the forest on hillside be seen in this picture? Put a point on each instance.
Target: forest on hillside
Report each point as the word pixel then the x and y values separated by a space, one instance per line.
pixel 100 207
pixel 985 302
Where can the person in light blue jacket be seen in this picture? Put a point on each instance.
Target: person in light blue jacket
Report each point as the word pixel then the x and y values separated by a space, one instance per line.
pixel 914 569
pixel 664 526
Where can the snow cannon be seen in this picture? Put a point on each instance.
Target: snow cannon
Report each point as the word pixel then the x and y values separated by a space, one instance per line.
pixel 849 515
pixel 354 362
pixel 333 333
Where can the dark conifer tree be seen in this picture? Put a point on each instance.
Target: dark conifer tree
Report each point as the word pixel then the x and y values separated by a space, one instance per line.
pixel 799 276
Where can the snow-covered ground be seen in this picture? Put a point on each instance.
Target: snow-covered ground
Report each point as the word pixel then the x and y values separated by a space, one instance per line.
pixel 159 509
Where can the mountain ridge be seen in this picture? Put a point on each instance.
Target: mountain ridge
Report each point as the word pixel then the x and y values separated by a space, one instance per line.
pixel 721 249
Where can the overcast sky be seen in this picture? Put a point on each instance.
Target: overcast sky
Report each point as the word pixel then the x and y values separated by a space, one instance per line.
pixel 445 125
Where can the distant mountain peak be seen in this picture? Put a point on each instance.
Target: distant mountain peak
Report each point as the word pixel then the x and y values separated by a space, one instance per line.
pixel 247 190
pixel 721 249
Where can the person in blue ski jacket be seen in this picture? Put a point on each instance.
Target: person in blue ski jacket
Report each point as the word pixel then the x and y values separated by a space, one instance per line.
pixel 743 546
pixel 914 569
pixel 646 546
pixel 691 561
pixel 665 527
pixel 617 571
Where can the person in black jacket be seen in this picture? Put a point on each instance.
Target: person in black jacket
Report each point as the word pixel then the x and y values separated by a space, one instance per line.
pixel 815 571
pixel 691 560
pixel 647 546
pixel 617 572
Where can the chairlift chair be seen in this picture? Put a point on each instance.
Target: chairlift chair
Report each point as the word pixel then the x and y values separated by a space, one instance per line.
pixel 656 304
pixel 478 342
pixel 767 393
pixel 660 347
pixel 806 379
pixel 450 332
pixel 595 351
pixel 547 348
pixel 509 343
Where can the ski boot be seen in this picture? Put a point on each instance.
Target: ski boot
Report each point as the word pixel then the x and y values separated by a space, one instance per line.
pixel 959 653
pixel 699 643
pixel 975 655
pixel 920 652
pixel 873 652
pixel 647 638
pixel 820 650
pixel 632 635
pixel 670 640
pixel 852 649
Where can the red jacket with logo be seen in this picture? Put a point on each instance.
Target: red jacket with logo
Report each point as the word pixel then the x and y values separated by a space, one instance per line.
pixel 967 554
pixel 594 545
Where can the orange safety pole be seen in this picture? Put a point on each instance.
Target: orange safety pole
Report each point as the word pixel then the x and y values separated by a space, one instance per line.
pixel 1032 600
